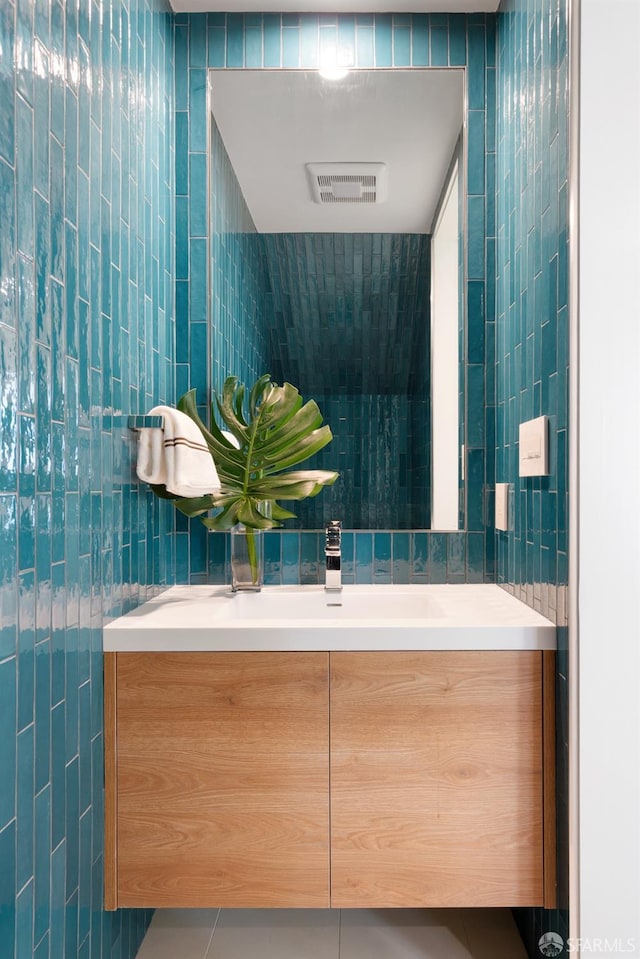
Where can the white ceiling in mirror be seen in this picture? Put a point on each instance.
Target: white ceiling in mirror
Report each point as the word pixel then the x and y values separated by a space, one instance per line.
pixel 274 123
pixel 338 6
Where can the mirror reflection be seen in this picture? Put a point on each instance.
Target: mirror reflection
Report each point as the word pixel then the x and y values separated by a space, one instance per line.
pixel 324 199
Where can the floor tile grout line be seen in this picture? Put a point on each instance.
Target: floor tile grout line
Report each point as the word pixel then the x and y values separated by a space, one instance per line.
pixel 213 929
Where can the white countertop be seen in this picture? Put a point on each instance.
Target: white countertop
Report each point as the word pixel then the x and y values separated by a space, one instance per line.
pixel 288 618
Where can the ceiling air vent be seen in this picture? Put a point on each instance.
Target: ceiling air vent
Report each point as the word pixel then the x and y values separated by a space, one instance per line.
pixel 333 183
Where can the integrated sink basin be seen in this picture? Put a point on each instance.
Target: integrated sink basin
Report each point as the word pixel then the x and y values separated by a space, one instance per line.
pixel 359 617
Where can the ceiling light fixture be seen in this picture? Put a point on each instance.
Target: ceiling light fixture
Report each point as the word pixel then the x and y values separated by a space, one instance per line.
pixel 331 71
pixel 332 62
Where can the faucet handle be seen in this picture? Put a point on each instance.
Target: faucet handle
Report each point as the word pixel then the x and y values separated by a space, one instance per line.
pixel 333 534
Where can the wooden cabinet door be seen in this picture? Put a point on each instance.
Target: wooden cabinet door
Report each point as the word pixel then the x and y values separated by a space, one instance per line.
pixel 436 779
pixel 222 779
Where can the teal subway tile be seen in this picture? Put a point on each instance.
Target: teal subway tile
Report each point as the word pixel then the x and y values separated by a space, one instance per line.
pixel 309 40
pixel 346 41
pixel 197 548
pixel 198 40
pixel 365 55
pixel 348 557
pixel 26 538
pixel 7 888
pixel 382 565
pixel 383 40
pixel 290 558
pixel 181 67
pixel 273 558
pixel 25 807
pixel 290 47
pixel 72 827
pixel 475 238
pixel 363 557
pixel 438 557
pixel 272 40
pixel 24 178
pixel 56 83
pixel 84 883
pixel 401 557
pixel 475 562
pixel 475 473
pixel 26 654
pixel 420 40
pixel 476 322
pixel 476 39
pixel 456 557
pixel 198 280
pixel 182 153
pixel 401 44
pixel 217 47
pixel 476 152
pixel 8 741
pixel 253 46
pixel 7 243
pixel 475 406
pixel 419 572
pixel 24 920
pixel 290 20
pixel 7 83
pixel 438 43
pixel 457 40
pixel 42 852
pixel 182 238
pixel 310 558
pixel 57 901
pixel 197 107
pixel 235 40
pixel 198 225
pixel 489 104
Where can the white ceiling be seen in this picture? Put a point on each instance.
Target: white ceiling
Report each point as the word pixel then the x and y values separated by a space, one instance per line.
pixel 275 122
pixel 338 6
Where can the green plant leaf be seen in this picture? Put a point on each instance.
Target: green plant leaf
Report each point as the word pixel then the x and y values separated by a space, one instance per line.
pixel 278 431
pixel 196 505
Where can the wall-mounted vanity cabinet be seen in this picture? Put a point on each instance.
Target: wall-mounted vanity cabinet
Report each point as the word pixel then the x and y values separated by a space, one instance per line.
pixel 318 779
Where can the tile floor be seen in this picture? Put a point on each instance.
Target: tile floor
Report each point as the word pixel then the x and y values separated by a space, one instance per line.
pixel 332 934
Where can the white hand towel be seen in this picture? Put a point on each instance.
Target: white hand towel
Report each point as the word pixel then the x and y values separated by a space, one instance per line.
pixel 190 470
pixel 151 466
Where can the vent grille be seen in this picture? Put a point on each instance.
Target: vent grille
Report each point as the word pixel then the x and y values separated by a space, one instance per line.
pixel 333 183
pixel 347 188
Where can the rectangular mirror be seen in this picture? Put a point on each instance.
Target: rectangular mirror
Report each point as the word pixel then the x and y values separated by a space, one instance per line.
pixel 338 262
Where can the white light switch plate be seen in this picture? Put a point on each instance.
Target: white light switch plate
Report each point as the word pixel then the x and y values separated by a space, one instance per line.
pixel 534 447
pixel 502 506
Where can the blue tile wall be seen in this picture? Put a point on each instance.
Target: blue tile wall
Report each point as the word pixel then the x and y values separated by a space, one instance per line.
pixel 532 341
pixel 226 333
pixel 87 333
pixel 256 41
pixel 350 320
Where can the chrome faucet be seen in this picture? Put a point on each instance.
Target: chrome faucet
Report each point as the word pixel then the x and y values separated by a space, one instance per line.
pixel 333 554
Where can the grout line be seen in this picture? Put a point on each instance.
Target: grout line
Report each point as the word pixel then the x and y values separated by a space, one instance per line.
pixel 213 929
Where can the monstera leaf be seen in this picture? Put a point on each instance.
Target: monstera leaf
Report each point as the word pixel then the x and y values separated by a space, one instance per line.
pixel 274 431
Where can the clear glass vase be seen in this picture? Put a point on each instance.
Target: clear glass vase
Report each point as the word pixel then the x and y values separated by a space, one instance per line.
pixel 247 559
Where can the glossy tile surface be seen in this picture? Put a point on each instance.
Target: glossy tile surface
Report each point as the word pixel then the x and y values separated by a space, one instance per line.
pixel 87 333
pixel 333 934
pixel 292 41
pixel 532 343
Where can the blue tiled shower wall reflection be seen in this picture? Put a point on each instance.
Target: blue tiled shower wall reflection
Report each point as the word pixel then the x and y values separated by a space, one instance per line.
pixel 87 333
pixel 350 319
pixel 532 342
pixel 381 41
